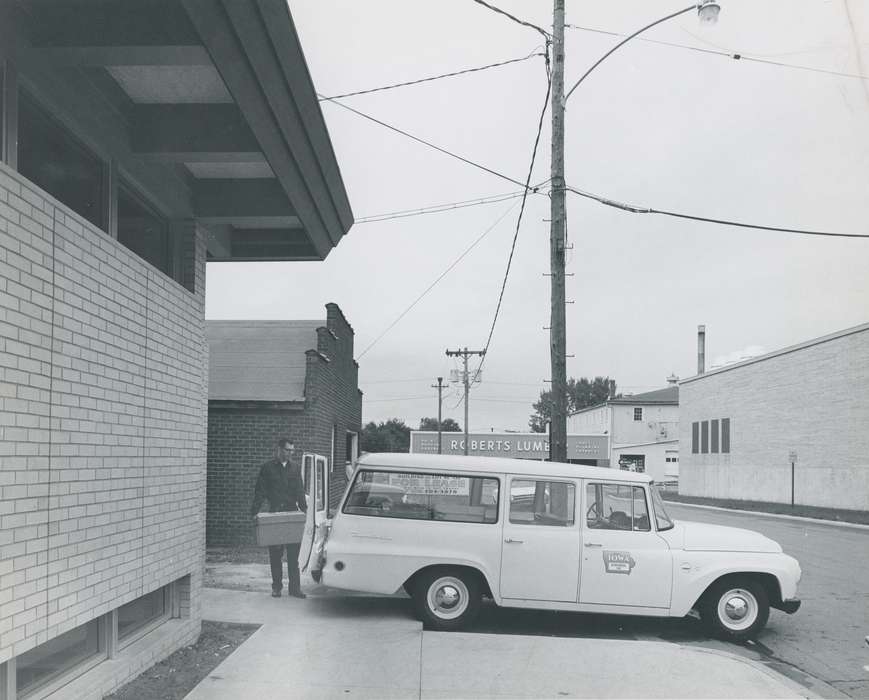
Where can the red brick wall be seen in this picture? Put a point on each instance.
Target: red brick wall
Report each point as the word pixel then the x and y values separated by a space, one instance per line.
pixel 241 436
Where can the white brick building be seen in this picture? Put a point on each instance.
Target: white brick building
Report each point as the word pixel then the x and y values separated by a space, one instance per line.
pixel 137 140
pixel 742 424
pixel 643 431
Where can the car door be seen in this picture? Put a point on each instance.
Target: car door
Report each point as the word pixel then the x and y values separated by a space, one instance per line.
pixel 315 476
pixel 540 551
pixel 624 561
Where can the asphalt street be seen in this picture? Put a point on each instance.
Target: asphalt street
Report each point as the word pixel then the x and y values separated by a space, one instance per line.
pixel 821 646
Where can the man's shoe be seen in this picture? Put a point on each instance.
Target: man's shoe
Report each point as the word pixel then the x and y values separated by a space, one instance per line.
pixel 276 593
pixel 297 594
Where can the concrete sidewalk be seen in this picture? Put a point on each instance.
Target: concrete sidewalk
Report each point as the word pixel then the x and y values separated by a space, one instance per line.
pixel 331 646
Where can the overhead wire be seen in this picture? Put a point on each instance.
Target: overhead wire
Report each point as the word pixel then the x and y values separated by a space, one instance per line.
pixel 728 54
pixel 426 143
pixel 515 19
pixel 440 277
pixel 439 208
pixel 634 209
pixel 430 79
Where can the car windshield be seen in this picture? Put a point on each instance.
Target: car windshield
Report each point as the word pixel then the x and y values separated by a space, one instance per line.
pixel 663 520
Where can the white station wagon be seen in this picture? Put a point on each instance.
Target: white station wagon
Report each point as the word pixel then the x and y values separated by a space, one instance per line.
pixel 545 535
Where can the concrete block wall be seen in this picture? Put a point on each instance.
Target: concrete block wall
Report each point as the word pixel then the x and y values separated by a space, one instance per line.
pixel 241 436
pixel 102 413
pixel 813 400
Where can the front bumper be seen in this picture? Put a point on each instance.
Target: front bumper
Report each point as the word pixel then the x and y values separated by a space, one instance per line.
pixel 789 606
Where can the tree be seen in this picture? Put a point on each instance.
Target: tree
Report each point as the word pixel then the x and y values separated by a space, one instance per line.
pixel 448 425
pixel 389 436
pixel 581 393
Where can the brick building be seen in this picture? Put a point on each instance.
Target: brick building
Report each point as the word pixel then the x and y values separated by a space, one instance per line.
pixel 137 140
pixel 269 379
pixel 745 424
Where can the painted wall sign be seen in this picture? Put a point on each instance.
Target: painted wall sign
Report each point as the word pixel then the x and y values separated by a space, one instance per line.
pixel 515 445
pixel 618 562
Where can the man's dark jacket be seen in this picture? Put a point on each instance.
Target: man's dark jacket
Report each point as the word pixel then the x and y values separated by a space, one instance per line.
pixel 281 486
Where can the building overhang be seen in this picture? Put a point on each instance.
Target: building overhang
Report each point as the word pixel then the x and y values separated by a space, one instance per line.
pixel 218 90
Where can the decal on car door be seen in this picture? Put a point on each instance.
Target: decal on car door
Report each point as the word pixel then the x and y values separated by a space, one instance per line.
pixel 618 562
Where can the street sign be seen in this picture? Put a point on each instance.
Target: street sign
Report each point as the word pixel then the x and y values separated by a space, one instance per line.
pixel 792 456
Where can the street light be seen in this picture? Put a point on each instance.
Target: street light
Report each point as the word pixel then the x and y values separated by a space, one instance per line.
pixel 707 11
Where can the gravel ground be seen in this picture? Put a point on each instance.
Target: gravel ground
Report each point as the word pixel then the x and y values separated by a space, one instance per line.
pixel 178 674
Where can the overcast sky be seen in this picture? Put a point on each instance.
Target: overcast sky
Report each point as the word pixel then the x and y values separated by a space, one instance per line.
pixel 657 126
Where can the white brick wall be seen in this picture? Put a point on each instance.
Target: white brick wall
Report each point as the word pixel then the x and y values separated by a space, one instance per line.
pixel 102 422
pixel 813 400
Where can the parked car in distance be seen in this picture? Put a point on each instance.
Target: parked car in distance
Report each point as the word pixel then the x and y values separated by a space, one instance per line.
pixel 528 534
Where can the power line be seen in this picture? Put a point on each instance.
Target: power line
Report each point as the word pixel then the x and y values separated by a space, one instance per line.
pixel 518 221
pixel 724 222
pixel 515 19
pixel 729 54
pixel 425 143
pixel 434 77
pixel 442 275
pixel 438 208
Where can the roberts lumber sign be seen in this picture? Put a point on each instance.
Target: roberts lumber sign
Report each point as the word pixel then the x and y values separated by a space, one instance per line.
pixel 516 445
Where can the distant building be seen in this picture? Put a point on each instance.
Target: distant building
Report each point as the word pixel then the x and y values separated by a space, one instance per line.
pixel 643 431
pixel 270 379
pixel 743 425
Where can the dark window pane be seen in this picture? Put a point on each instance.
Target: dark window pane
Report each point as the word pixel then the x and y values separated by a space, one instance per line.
pixel 638 414
pixel 704 437
pixel 542 503
pixel 47 661
pixel 725 435
pixel 695 438
pixel 50 157
pixel 138 613
pixel 715 435
pixel 142 230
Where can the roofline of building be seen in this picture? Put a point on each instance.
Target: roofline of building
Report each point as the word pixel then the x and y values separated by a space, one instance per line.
pixel 624 402
pixel 778 353
pixel 644 444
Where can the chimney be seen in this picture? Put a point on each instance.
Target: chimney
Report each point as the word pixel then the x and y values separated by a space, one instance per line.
pixel 701 349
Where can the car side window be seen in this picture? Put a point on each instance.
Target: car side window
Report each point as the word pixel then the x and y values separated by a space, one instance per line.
pixel 617 507
pixel 542 503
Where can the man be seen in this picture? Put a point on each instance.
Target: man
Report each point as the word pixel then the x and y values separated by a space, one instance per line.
pixel 280 483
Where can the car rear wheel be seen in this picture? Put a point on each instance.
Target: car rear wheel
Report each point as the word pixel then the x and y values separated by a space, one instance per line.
pixel 735 609
pixel 447 599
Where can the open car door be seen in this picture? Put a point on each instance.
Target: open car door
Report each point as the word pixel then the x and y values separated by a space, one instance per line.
pixel 315 475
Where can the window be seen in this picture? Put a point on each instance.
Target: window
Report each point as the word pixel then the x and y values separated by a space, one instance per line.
pixel 309 460
pixel 704 437
pixel 725 435
pixel 638 414
pixel 450 497
pixel 138 614
pixel 50 157
pixel 542 503
pixel 617 507
pixel 662 520
pixel 632 463
pixel 143 230
pixel 695 438
pixel 714 427
pixel 41 665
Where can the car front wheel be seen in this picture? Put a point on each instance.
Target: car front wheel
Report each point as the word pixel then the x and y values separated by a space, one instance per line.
pixel 447 599
pixel 735 609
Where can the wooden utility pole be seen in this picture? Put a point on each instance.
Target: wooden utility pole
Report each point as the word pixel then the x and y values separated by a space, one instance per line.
pixel 465 354
pixel 440 387
pixel 557 338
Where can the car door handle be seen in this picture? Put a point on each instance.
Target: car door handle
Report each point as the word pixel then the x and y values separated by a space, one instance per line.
pixel 510 540
pixel 593 544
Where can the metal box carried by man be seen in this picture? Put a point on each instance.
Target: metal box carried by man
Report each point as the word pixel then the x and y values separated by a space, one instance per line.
pixel 280 528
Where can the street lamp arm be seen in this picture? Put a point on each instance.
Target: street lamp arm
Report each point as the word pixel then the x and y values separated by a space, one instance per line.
pixel 622 43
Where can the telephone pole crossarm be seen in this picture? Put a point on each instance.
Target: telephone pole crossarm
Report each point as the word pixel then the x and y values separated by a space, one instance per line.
pixel 464 353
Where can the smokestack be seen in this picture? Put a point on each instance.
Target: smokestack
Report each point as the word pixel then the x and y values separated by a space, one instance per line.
pixel 701 349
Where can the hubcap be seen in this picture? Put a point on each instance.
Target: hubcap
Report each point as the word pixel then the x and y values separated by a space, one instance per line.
pixel 447 597
pixel 737 609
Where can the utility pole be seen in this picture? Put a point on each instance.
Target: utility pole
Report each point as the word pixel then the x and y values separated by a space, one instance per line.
pixel 558 322
pixel 440 387
pixel 465 354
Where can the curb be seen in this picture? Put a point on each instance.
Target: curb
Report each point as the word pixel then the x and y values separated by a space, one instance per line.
pixel 781 516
